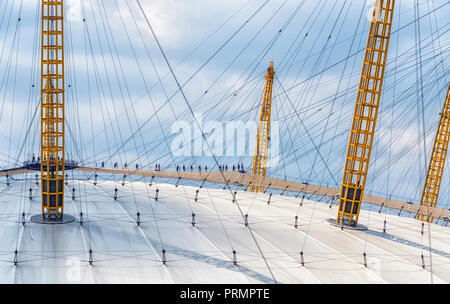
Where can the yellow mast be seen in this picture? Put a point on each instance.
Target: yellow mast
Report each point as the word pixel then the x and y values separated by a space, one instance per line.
pixel 365 115
pixel 52 109
pixel 259 165
pixel 433 180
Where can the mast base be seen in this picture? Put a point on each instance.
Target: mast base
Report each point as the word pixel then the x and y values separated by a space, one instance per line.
pixel 65 219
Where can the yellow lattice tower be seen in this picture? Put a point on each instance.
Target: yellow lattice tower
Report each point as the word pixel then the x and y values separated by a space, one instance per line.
pixel 259 165
pixel 365 115
pixel 433 180
pixel 52 109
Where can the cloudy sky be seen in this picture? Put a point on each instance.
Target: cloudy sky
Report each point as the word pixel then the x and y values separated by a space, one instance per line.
pixel 123 105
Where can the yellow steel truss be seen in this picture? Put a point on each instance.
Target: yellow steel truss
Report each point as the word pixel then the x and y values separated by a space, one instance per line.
pixel 52 109
pixel 433 180
pixel 259 165
pixel 365 115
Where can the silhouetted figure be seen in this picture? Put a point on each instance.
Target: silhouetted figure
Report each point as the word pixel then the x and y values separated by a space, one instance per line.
pixel 192 168
pixel 178 168
pixel 103 164
pixel 199 168
pixel 184 168
pixel 234 168
pixel 226 167
pixel 206 168
pixel 137 167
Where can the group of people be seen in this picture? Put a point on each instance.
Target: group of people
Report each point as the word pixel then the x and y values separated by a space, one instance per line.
pixel 37 160
pixel 116 165
pixel 239 168
pixel 125 166
pixel 192 168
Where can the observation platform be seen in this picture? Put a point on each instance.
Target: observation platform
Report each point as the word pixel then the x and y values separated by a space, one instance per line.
pixel 36 166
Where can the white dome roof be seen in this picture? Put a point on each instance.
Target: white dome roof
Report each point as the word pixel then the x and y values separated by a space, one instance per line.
pixel 123 252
